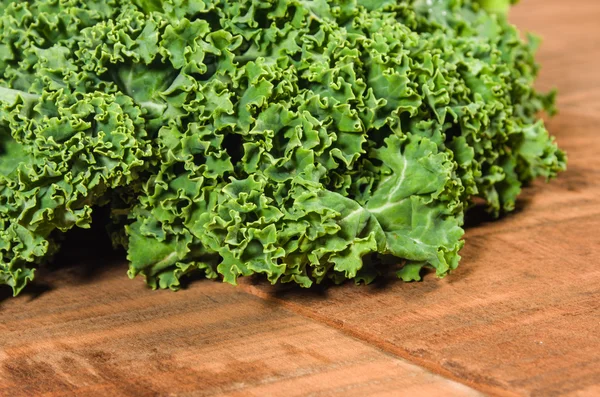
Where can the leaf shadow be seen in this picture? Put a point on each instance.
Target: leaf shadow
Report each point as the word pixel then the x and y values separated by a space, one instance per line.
pixel 478 215
pixel 84 256
pixel 386 267
pixel 32 292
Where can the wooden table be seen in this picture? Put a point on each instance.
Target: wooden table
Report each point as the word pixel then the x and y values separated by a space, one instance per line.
pixel 520 317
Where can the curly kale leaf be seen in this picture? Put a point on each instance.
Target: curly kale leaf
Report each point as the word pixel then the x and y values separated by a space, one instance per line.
pixel 63 154
pixel 300 140
pixel 497 6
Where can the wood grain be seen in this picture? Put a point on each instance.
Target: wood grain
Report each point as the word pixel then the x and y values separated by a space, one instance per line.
pixel 521 316
pixel 113 337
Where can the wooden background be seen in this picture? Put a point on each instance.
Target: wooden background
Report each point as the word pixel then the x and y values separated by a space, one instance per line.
pixel 521 316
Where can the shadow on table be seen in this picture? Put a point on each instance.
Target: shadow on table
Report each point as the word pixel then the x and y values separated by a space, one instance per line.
pixel 385 279
pixel 32 291
pixel 84 255
pixel 478 214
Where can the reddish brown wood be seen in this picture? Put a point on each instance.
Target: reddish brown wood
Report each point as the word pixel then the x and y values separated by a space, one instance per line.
pixel 521 316
pixel 113 337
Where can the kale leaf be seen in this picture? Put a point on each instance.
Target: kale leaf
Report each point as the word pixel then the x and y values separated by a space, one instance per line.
pixel 290 138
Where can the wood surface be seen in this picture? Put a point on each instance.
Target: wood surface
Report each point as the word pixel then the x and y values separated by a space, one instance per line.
pixel 113 337
pixel 521 316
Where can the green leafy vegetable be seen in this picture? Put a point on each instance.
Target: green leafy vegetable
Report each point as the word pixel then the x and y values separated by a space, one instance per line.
pixel 299 139
pixel 497 6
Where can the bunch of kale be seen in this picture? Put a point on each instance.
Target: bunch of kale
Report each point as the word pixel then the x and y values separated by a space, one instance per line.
pixel 292 138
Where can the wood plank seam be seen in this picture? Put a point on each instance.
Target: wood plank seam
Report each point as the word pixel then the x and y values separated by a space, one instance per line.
pixel 388 348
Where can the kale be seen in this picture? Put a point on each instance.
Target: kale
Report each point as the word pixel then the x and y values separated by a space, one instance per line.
pixel 290 138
